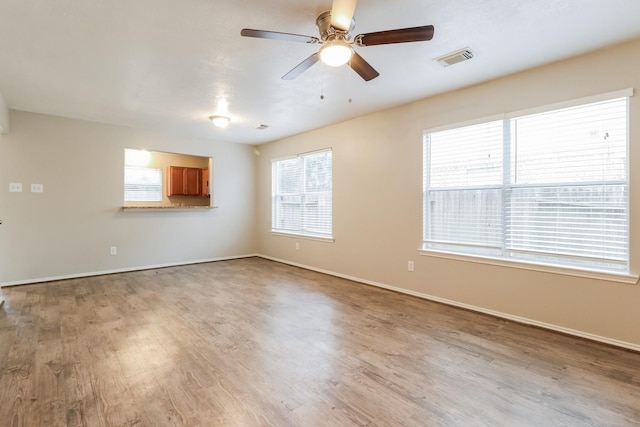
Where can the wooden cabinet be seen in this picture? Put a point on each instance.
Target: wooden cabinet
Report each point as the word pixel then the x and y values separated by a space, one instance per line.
pixel 205 183
pixel 184 181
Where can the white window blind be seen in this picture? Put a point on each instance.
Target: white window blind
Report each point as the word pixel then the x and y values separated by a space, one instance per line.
pixel 464 186
pixel 549 188
pixel 142 184
pixel 302 195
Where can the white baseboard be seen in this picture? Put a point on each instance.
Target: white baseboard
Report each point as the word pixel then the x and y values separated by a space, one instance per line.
pixel 518 319
pixel 119 270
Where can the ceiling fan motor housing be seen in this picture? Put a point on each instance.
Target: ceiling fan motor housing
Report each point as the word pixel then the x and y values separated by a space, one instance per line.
pixel 327 32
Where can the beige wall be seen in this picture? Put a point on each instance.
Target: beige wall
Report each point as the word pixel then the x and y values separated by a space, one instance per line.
pixel 377 176
pixel 4 116
pixel 68 229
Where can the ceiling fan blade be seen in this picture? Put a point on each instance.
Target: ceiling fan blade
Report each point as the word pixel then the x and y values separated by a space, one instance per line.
pixel 274 35
pixel 302 67
pixel 342 13
pixel 362 67
pixel 403 35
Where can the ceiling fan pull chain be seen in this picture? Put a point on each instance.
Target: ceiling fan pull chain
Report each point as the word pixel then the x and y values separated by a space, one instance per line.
pixel 321 81
pixel 350 79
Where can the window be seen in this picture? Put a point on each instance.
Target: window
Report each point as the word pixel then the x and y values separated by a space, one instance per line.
pixel 142 184
pixel 548 188
pixel 301 195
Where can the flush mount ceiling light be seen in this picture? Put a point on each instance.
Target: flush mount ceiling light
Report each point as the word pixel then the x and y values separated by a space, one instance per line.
pixel 220 121
pixel 336 52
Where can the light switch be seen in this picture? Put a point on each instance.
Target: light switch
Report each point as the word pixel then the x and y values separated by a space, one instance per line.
pixel 37 188
pixel 15 187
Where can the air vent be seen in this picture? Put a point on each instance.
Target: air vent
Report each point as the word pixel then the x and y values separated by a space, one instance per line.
pixel 454 57
pixel 260 127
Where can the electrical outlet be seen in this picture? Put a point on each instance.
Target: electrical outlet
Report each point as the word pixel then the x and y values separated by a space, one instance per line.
pixel 297 246
pixel 410 265
pixel 37 188
pixel 113 250
pixel 15 187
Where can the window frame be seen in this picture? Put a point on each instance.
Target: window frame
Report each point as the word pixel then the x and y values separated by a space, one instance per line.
pixel 302 234
pixel 627 276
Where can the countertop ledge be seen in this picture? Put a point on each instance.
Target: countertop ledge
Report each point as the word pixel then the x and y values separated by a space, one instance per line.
pixel 166 208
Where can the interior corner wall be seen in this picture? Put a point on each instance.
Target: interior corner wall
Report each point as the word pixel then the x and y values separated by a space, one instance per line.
pixel 377 203
pixel 69 228
pixel 4 116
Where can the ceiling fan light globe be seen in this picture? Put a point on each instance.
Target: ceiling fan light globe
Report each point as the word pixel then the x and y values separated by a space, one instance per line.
pixel 335 53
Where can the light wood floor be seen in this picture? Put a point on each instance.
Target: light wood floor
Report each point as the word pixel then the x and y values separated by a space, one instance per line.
pixel 252 342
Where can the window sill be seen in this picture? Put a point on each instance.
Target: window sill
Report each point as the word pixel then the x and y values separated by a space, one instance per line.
pixel 630 279
pixel 303 236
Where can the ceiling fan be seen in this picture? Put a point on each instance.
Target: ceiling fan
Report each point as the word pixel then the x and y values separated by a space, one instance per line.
pixel 335 27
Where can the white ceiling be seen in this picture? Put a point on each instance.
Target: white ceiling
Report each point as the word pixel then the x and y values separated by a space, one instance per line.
pixel 167 65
